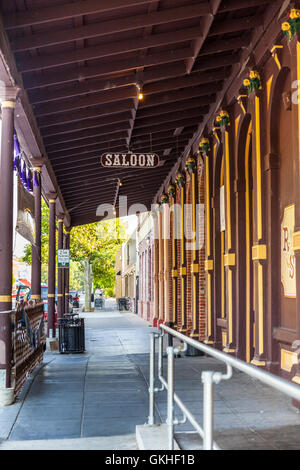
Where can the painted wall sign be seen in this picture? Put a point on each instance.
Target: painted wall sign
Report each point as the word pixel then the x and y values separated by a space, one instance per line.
pixel 129 160
pixel 288 268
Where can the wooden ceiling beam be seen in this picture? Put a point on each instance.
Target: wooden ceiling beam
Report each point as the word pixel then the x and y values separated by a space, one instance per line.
pixel 217 46
pixel 86 124
pixel 85 113
pixel 85 142
pixel 85 133
pixel 103 28
pixel 105 68
pixel 104 97
pixel 179 95
pixel 168 126
pixel 45 62
pixel 167 108
pixel 94 131
pixel 93 86
pixel 233 5
pixel 194 79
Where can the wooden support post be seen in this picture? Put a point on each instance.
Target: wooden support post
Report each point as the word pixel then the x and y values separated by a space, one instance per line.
pixel 8 97
pixel 36 247
pixel 51 265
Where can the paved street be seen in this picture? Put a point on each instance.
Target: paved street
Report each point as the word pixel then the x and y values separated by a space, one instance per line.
pixel 95 400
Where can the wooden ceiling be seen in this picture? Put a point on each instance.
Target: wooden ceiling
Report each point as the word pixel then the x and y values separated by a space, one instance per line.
pixel 81 62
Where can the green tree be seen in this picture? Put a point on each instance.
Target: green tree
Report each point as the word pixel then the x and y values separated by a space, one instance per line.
pixel 95 246
pixel 93 250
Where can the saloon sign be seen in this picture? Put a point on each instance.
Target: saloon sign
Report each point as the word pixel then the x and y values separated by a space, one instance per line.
pixel 129 160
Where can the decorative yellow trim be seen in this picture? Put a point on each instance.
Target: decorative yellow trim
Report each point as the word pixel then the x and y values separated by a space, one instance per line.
pixel 275 55
pixel 288 359
pixel 209 265
pixel 51 295
pixel 230 308
pixel 208 342
pixel 37 168
pixel 255 362
pixel 209 329
pixel 52 200
pixel 240 102
pixel 35 297
pixel 236 122
pixel 207 207
pixel 269 85
pixel 228 350
pixel 258 168
pixel 224 338
pixel 194 268
pixel 248 247
pixel 60 295
pixel 229 259
pixel 259 252
pixel 60 220
pixel 174 273
pixel 260 309
pixel 182 271
pixel 5 298
pixel 228 198
pixel 8 104
pixel 296 379
pixel 296 241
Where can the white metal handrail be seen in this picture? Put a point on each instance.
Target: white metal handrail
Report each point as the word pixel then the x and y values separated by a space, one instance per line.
pixel 209 378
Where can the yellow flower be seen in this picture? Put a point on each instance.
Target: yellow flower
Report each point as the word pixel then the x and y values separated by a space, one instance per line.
pixel 285 26
pixel 224 114
pixel 254 74
pixel 218 118
pixel 294 14
pixel 204 141
pixel 246 82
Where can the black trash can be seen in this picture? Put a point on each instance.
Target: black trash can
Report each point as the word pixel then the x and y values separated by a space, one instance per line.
pixel 99 303
pixel 71 335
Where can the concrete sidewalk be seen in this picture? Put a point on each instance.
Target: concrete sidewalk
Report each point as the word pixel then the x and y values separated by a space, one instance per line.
pixel 95 400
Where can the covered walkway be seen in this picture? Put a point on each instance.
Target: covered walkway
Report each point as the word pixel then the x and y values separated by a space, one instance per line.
pixel 95 400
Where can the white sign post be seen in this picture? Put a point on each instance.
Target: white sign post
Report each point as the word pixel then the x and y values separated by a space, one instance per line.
pixel 63 258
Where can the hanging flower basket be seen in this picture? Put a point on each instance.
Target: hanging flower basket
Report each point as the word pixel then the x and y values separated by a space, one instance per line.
pixel 292 25
pixel 190 164
pixel 253 82
pixel 180 179
pixel 171 190
pixel 164 199
pixel 204 145
pixel 223 119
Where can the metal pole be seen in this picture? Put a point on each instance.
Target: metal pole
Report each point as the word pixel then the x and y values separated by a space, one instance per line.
pixel 170 418
pixel 151 379
pixel 67 272
pixel 60 306
pixel 160 355
pixel 208 409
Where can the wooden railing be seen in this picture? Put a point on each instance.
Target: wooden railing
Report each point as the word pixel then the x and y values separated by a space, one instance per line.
pixel 28 340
